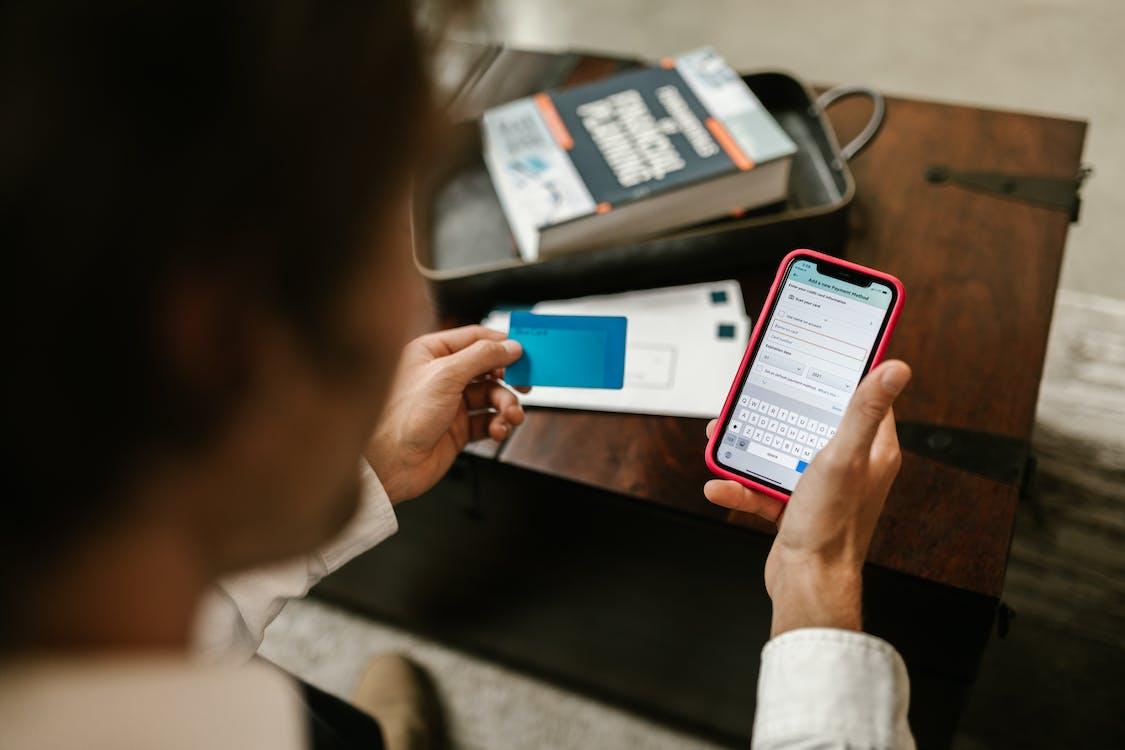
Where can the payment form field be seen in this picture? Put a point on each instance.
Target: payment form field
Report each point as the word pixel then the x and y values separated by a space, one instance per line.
pixel 810 359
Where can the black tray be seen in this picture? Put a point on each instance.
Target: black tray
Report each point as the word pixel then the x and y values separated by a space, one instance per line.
pixel 463 246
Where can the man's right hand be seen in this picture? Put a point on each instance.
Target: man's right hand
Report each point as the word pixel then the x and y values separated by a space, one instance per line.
pixel 814 570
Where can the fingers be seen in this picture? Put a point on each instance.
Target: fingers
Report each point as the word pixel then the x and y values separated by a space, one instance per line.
pixel 733 495
pixel 884 449
pixel 495 411
pixel 498 374
pixel 869 406
pixel 711 428
pixel 442 343
pixel 478 358
pixel 489 394
pixel 487 424
pixel 499 428
pixel 480 426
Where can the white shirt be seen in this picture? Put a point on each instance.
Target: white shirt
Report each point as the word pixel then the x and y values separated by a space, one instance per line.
pixel 818 689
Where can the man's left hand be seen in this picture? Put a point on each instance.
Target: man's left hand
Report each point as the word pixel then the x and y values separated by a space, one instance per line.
pixel 447 393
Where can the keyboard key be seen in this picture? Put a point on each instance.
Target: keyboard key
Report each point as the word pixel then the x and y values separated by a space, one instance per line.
pixel 806 454
pixel 793 417
pixel 763 407
pixel 748 430
pixel 743 443
pixel 802 421
pixel 753 402
pixel 744 400
pixel 772 411
pixel 795 450
pixel 758 435
pixel 812 425
pixel 791 433
pixel 778 441
pixel 744 414
pixel 782 415
pixel 822 429
pixel 729 438
pixel 776 456
pixel 772 427
pixel 831 433
pixel 820 443
pixel 787 446
pixel 735 426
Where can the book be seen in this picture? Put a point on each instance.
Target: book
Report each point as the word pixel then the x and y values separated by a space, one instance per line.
pixel 633 155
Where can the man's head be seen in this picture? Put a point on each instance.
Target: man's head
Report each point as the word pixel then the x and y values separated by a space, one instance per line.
pixel 203 216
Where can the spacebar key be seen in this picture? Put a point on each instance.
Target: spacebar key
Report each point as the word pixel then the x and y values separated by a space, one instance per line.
pixel 771 455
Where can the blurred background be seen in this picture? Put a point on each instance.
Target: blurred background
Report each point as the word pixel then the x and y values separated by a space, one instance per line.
pixel 1057 57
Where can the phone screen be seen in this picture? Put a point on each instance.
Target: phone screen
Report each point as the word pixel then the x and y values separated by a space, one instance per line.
pixel 816 344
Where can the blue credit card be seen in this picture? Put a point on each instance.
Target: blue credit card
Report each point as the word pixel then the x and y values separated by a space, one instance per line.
pixel 574 351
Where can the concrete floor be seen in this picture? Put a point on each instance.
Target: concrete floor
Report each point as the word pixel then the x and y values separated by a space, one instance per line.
pixel 1059 57
pixel 487 707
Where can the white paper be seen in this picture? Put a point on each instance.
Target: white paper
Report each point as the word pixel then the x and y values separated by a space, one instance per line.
pixel 676 362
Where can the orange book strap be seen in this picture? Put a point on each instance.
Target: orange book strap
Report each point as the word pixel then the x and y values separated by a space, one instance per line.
pixel 554 122
pixel 736 154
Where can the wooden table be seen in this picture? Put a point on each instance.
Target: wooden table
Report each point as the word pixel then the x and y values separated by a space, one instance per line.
pixel 980 272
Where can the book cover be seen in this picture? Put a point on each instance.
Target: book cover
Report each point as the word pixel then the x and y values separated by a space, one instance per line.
pixel 563 155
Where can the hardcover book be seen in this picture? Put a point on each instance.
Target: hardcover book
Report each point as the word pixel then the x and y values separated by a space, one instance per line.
pixel 632 155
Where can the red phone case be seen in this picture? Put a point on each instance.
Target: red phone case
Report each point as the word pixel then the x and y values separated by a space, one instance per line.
pixel 732 396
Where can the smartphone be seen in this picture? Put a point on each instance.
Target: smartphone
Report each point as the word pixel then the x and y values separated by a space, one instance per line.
pixel 826 322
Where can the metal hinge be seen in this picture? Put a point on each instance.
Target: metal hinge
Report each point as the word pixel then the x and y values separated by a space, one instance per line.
pixel 1060 194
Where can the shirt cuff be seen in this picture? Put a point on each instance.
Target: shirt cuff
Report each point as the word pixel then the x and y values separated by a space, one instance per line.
pixel 373 522
pixel 233 617
pixel 821 684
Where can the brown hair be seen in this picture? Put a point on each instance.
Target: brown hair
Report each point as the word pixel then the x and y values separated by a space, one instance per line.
pixel 142 139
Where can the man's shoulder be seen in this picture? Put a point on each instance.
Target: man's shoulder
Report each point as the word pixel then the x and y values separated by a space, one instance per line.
pixel 163 701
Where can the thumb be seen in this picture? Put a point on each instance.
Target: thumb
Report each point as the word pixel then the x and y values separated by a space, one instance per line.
pixel 870 404
pixel 477 359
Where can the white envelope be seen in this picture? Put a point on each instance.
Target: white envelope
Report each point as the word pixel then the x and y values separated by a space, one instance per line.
pixel 720 297
pixel 683 347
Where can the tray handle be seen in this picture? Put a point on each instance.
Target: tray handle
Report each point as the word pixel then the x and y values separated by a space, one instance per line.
pixel 879 109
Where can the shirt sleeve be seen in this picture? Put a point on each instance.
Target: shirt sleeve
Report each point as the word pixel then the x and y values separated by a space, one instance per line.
pixel 828 689
pixel 233 617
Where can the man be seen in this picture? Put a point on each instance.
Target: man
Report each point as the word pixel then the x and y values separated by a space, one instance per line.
pixel 213 400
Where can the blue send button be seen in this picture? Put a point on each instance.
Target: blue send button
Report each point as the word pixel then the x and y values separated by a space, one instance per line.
pixel 801 466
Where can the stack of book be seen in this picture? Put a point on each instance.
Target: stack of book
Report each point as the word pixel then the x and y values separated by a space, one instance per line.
pixel 633 155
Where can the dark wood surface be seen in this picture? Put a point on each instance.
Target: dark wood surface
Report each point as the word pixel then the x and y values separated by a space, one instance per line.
pixel 980 273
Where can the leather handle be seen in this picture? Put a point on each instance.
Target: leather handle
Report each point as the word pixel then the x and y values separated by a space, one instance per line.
pixel 879 109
